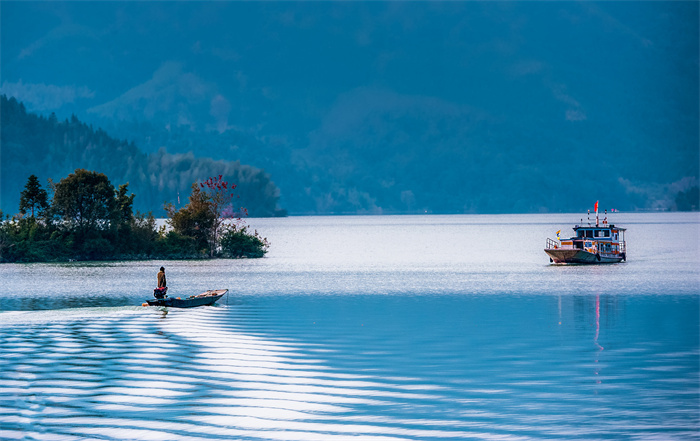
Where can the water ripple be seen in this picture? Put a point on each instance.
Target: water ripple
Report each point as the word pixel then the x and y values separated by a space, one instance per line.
pixel 243 373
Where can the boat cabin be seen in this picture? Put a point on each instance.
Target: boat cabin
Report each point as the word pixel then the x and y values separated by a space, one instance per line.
pixel 607 239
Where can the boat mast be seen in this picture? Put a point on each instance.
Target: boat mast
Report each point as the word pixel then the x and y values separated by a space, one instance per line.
pixel 596 214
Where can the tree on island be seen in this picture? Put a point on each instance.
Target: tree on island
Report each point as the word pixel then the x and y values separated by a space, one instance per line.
pixel 33 197
pixel 123 209
pixel 84 200
pixel 195 220
pixel 6 239
pixel 87 219
pixel 236 241
pixel 211 219
pixel 230 234
pixel 97 220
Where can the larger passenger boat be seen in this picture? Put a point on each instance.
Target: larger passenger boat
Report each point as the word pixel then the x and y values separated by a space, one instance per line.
pixel 599 243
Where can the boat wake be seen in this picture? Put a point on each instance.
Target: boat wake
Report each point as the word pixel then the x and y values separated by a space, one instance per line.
pixel 130 373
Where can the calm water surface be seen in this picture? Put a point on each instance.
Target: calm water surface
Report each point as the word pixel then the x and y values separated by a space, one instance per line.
pixel 406 327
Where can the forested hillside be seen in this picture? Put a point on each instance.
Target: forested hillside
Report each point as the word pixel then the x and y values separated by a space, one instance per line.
pixel 373 107
pixel 378 152
pixel 49 148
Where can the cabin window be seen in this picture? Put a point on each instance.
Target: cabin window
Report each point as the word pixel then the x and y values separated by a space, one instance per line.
pixel 606 233
pixel 589 233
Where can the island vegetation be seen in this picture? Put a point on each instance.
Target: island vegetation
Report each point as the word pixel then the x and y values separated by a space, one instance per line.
pixel 84 217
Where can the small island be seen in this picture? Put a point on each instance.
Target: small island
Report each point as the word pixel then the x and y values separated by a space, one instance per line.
pixel 84 217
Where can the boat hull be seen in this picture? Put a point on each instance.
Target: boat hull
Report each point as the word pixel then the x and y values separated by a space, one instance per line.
pixel 559 255
pixel 207 298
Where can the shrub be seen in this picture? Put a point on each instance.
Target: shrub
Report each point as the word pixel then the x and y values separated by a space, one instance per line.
pixel 175 245
pixel 238 242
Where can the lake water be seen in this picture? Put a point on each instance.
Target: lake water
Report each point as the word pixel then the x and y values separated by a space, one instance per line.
pixel 397 327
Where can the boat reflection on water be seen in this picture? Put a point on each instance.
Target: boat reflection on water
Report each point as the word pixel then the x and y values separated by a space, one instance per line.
pixel 597 333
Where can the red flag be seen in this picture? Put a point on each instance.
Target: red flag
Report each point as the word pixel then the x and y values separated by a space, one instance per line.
pixel 596 206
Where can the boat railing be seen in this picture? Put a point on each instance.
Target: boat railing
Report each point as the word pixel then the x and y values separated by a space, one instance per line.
pixel 552 244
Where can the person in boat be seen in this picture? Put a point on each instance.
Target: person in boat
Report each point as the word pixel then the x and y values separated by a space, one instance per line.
pixel 159 292
pixel 161 278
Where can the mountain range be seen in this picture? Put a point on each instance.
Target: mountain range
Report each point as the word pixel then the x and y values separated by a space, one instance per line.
pixel 381 107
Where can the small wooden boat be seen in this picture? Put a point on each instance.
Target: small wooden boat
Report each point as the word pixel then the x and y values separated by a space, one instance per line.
pixel 599 243
pixel 206 298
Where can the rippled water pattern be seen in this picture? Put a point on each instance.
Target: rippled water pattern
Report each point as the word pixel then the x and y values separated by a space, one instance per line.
pixel 365 328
